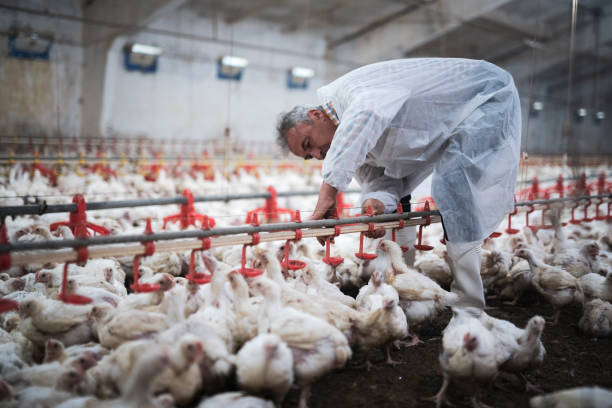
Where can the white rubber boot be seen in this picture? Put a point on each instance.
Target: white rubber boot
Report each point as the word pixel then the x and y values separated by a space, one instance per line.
pixel 465 258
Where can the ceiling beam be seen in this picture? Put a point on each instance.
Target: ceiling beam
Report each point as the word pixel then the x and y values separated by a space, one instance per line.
pixel 555 52
pixel 512 22
pixel 323 14
pixel 255 9
pixel 418 26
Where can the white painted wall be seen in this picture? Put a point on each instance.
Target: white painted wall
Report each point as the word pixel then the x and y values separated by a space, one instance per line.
pixel 36 95
pixel 185 99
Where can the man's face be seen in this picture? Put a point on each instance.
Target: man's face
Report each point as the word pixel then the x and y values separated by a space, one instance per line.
pixel 311 140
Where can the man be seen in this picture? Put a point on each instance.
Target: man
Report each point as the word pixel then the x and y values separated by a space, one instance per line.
pixel 393 123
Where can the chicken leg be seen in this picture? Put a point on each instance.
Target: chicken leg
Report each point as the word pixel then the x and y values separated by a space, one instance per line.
pixel 440 397
pixel 390 361
pixel 304 396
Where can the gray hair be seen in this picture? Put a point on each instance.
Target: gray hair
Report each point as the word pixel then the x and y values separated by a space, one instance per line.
pixel 287 120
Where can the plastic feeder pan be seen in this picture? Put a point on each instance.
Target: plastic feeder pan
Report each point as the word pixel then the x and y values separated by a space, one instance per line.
pixel 145 287
pixel 293 265
pixel 333 260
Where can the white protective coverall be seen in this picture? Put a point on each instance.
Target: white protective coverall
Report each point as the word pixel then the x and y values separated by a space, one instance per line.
pixel 401 120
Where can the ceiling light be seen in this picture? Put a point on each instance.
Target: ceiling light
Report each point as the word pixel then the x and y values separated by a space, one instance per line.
pixel 141 57
pixel 231 67
pixel 236 62
pixel 581 112
pixel 600 115
pixel 537 106
pixel 301 72
pixel 145 49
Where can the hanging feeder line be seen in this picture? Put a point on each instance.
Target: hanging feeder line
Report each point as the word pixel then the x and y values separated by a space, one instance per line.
pixel 275 232
pixel 103 246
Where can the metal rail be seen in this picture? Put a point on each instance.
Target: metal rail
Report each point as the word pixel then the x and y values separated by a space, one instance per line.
pixel 44 208
pixel 215 232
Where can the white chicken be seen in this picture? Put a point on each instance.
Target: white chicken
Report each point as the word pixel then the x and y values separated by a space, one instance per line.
pixel 264 365
pixel 596 286
pixel 580 397
pixel 420 297
pixel 525 345
pixel 434 267
pixel 47 318
pixel 115 327
pixel 555 284
pixel 596 318
pixel 317 346
pixel 235 400
pixel 384 321
pixel 470 354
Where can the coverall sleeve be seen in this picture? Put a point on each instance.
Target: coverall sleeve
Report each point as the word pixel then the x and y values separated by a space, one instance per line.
pixel 375 184
pixel 356 135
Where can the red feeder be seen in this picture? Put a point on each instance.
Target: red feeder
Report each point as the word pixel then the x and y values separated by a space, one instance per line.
pixel 534 228
pixel 293 264
pixel 420 246
pixel 597 216
pixel 363 255
pixel 586 211
pixel 77 222
pixel 6 305
pixel 44 171
pixel 546 208
pixel 5 257
pixel 187 215
pixel 402 224
pixel 64 296
pixel 270 210
pixel 193 276
pixel 535 187
pixel 332 261
pixel 572 219
pixel 149 250
pixel 559 186
pixel 341 206
pixel 249 272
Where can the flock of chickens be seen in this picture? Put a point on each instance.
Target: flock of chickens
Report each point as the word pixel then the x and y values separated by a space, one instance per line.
pixel 186 344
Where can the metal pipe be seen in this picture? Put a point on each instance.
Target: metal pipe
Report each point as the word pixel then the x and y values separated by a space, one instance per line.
pixel 166 236
pixel 44 208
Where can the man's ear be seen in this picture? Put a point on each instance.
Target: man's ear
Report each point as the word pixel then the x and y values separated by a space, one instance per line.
pixel 315 115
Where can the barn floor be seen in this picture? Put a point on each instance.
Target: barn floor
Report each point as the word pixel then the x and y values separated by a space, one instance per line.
pixel 572 360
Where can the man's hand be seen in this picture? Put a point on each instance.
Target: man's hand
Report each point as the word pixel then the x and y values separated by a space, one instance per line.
pixel 378 208
pixel 325 205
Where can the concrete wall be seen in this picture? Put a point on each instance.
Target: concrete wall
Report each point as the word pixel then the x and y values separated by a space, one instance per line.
pixel 185 99
pixel 36 94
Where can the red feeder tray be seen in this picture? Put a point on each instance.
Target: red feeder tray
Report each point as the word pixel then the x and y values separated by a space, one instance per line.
pixel 249 272
pixel 193 276
pixel 572 219
pixel 510 230
pixel 196 277
pixel 597 216
pixel 77 221
pixel 270 210
pixel 586 209
pixel 6 305
pixel 293 264
pixel 332 260
pixel 420 246
pixel 64 296
pixel 188 216
pixel 495 234
pixel 149 250
pixel 363 255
